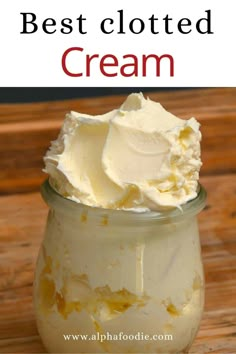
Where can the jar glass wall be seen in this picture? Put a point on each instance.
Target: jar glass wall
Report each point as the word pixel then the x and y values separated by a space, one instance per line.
pixel 126 281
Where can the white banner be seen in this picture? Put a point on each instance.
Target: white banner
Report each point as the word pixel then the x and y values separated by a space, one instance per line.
pixel 154 43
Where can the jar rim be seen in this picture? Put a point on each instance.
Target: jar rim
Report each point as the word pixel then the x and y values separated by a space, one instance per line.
pixel 56 201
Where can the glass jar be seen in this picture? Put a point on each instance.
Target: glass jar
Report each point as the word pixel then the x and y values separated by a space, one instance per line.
pixel 112 281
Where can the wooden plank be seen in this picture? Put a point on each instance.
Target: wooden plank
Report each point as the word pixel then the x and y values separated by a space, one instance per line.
pixel 27 129
pixel 22 220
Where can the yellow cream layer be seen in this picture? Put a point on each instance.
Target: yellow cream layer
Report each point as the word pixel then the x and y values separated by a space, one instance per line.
pixel 136 157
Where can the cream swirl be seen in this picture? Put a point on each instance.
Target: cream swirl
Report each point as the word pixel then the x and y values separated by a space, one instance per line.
pixel 136 157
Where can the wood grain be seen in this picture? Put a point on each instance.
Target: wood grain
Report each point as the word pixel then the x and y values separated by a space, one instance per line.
pixel 27 129
pixel 25 132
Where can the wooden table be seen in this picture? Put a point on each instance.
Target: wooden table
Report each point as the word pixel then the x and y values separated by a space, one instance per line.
pixel 25 132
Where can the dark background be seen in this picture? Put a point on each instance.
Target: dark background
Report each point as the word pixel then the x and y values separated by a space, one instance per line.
pixel 37 94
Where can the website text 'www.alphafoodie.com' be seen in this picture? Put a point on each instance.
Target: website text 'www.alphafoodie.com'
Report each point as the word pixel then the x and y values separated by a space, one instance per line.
pixel 121 336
